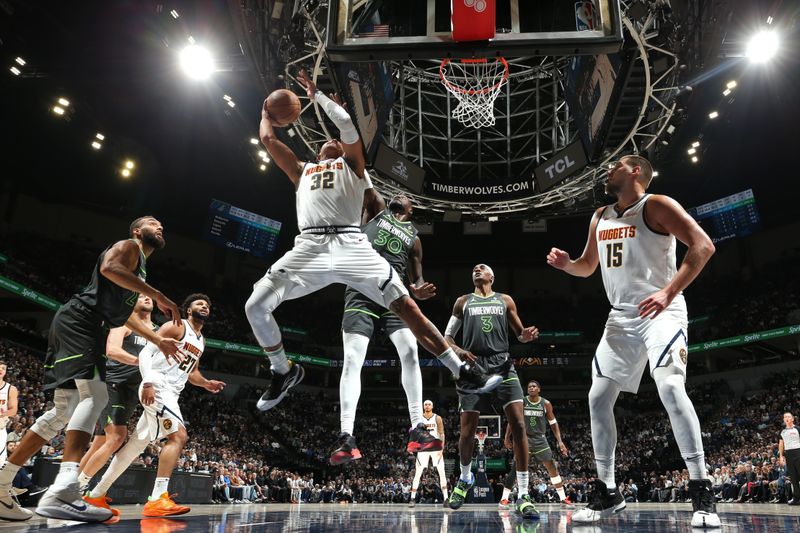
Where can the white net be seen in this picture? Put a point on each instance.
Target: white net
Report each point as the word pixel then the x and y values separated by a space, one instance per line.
pixel 476 84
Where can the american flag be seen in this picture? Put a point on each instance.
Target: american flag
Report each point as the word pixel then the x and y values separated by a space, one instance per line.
pixel 378 30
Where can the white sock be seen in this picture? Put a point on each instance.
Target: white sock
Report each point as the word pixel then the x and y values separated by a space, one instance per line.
pixel 444 493
pixel 602 397
pixel 466 472
pixel 452 362
pixel 522 483
pixel 159 488
pixel 83 479
pixel 355 350
pixel 278 361
pixel 7 474
pixel 506 493
pixel 561 494
pixel 67 474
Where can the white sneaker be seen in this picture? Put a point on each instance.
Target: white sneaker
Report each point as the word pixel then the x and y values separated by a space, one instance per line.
pixel 67 504
pixel 10 509
pixel 704 519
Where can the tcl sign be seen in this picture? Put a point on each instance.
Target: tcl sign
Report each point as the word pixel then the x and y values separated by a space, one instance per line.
pixel 565 163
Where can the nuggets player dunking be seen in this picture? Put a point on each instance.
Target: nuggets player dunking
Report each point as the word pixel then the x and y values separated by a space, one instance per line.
pixel 633 241
pixel 435 427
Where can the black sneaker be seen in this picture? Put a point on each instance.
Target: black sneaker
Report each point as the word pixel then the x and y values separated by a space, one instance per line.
pixel 279 385
pixel 525 508
pixel 793 501
pixel 459 494
pixel 703 504
pixel 473 380
pixel 602 504
pixel 420 440
pixel 347 450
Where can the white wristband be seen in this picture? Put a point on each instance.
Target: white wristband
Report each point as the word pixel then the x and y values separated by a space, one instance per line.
pixel 453 327
pixel 553 422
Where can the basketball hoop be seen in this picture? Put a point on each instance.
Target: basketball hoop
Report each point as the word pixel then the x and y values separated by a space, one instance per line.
pixel 476 84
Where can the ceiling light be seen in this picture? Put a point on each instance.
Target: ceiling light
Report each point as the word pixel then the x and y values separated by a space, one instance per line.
pixel 231 103
pixel 174 14
pixel 191 40
pixel 713 115
pixel 762 46
pixel 253 140
pixel 731 84
pixel 197 62
pixel 20 61
pixel 129 164
pixel 126 173
pixel 263 167
pixel 655 173
pixel 64 102
pixel 695 144
pixel 58 110
pixel 226 98
pixel 100 137
pixel 692 150
pixel 726 92
pixel 15 71
pixel 96 145
pixel 694 159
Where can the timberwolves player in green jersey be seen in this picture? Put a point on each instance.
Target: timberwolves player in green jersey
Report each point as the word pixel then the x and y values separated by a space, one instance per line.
pixel 486 316
pixel 538 414
pixel 395 238
pixel 75 368
pixel 122 382
pixel 633 241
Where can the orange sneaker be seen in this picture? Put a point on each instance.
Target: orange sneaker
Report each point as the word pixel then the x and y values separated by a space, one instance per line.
pixel 103 501
pixel 164 506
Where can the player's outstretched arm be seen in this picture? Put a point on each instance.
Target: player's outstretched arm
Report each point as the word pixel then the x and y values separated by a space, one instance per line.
pixel 114 348
pixel 523 334
pixel 211 385
pixel 586 264
pixel 351 141
pixel 280 153
pixel 665 215
pixel 374 205
pixel 453 326
pixel 421 289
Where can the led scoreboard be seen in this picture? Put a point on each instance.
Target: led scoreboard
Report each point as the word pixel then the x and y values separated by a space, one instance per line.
pixel 733 216
pixel 237 229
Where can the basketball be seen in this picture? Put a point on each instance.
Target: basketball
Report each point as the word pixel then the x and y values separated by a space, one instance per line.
pixel 283 107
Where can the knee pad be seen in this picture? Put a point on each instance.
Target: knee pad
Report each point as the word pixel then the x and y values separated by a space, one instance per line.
pixel 93 397
pixel 406 345
pixel 50 423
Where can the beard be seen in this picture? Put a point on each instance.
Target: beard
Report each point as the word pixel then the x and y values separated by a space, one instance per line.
pixel 200 318
pixel 396 206
pixel 153 241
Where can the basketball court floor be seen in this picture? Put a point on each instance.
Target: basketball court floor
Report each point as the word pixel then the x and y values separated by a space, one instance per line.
pixel 378 518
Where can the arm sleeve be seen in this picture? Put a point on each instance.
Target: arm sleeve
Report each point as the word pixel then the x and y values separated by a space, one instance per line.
pixel 453 327
pixel 149 375
pixel 339 117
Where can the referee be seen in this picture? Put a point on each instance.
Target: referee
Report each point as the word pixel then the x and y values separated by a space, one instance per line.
pixel 789 451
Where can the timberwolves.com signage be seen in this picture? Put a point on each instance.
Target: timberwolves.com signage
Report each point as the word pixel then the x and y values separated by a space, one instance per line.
pixel 480 191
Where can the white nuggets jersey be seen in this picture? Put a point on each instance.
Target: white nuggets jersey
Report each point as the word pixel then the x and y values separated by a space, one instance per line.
pixel 167 373
pixel 4 390
pixel 431 426
pixel 635 260
pixel 330 194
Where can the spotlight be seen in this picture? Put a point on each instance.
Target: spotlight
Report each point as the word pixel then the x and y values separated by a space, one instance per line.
pixel 726 92
pixel 253 140
pixel 694 159
pixel 692 150
pixel 15 71
pixel 731 84
pixel 197 62
pixel 126 173
pixel 58 110
pixel 96 145
pixel 262 154
pixel 263 167
pixel 64 102
pixel 226 98
pixel 713 115
pixel 129 164
pixel 100 137
pixel 174 14
pixel 655 173
pixel 20 61
pixel 231 103
pixel 762 46
pixel 695 144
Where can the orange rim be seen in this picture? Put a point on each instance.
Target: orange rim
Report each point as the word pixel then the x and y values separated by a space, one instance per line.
pixel 456 88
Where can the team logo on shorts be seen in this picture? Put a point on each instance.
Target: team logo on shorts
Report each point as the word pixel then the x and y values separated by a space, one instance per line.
pixel 167 424
pixel 683 355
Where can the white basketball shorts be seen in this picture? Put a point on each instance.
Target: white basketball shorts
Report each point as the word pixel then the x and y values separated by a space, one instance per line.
pixel 162 418
pixel 630 342
pixel 317 261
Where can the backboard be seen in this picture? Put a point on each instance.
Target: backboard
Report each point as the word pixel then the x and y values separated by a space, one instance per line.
pixel 369 30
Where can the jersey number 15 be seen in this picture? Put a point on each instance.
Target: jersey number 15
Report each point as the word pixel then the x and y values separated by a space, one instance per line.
pixel 614 254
